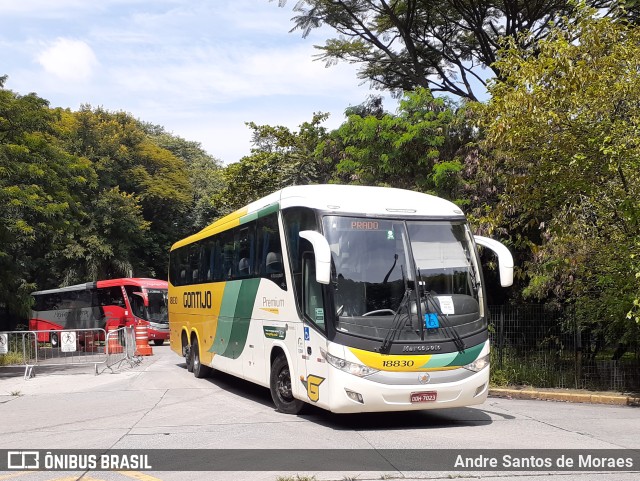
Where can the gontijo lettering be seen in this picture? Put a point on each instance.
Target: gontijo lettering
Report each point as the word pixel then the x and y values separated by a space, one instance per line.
pixel 197 300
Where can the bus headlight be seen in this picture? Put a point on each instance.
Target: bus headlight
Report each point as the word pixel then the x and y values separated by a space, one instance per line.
pixel 354 368
pixel 479 364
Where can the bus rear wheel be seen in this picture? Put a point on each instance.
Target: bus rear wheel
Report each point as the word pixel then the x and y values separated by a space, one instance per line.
pixel 280 387
pixel 186 352
pixel 199 369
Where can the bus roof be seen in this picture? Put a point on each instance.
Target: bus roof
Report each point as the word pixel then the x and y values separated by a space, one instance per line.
pixel 123 281
pixel 338 199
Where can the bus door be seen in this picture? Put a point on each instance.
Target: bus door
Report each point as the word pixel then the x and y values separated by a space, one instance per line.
pixel 114 307
pixel 314 335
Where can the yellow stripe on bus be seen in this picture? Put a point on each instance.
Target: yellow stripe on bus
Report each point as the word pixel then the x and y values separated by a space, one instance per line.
pixel 226 223
pixel 397 362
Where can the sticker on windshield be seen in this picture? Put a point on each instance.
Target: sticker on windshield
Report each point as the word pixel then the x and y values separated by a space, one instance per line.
pixel 446 304
pixel 390 235
pixel 431 320
pixel 319 315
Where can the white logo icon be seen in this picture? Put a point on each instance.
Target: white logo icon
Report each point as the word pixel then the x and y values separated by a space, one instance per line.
pixel 23 460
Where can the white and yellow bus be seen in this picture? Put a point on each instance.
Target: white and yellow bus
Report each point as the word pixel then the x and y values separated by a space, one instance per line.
pixel 349 298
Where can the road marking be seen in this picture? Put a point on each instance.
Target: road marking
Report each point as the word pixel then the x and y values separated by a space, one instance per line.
pixel 13 475
pixel 76 478
pixel 139 476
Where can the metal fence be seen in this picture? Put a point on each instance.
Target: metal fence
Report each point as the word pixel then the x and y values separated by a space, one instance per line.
pixel 541 346
pixel 65 348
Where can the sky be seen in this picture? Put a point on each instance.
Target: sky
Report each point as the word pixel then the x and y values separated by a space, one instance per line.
pixel 199 68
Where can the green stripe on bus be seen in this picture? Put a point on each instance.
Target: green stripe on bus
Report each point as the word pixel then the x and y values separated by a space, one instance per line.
pixel 440 360
pixel 452 359
pixel 248 218
pixel 469 355
pixel 225 318
pixel 244 308
pixel 270 209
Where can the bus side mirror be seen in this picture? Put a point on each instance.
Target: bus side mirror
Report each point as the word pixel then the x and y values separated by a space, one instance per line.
pixel 322 253
pixel 145 299
pixel 505 259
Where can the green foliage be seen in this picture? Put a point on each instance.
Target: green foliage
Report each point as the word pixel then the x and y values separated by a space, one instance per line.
pixel 85 195
pixel 404 45
pixel 39 193
pixel 406 149
pixel 205 176
pixel 279 158
pixel 137 207
pixel 566 127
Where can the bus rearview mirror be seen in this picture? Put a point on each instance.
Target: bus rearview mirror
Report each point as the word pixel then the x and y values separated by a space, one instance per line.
pixel 322 253
pixel 505 259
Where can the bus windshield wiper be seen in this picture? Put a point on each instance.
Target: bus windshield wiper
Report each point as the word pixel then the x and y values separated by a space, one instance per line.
pixel 444 320
pixel 398 318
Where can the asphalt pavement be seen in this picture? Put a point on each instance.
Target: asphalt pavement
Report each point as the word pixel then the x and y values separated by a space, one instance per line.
pixel 159 405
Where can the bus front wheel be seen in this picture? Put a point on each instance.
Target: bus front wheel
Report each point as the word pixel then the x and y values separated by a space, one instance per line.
pixel 280 387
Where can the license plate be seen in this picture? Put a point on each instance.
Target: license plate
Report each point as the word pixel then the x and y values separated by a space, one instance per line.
pixel 423 397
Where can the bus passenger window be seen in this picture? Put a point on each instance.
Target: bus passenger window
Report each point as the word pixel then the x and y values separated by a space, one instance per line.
pixel 274 263
pixel 243 267
pixel 313 300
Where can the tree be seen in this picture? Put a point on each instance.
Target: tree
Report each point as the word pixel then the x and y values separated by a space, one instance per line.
pixel 134 171
pixel 417 148
pixel 106 244
pixel 39 194
pixel 279 158
pixel 441 45
pixel 205 175
pixel 565 123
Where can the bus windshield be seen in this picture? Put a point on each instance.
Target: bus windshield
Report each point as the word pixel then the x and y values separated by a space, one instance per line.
pixel 419 279
pixel 156 310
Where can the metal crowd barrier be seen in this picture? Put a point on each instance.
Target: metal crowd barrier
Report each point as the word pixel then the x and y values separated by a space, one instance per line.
pixel 120 346
pixel 71 347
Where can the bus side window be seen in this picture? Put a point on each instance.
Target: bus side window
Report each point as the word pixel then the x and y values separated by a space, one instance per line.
pixel 194 264
pixel 135 301
pixel 179 264
pixel 111 296
pixel 245 250
pixel 227 254
pixel 297 219
pixel 269 250
pixel 208 258
pixel 312 292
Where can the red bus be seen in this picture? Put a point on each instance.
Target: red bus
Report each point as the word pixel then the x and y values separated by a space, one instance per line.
pixel 104 304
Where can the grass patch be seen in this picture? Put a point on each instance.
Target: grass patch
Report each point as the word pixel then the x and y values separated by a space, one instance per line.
pixel 11 358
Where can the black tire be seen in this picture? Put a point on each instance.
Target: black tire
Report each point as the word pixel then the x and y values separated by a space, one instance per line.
pixel 186 352
pixel 54 339
pixel 199 369
pixel 280 387
pixel 158 342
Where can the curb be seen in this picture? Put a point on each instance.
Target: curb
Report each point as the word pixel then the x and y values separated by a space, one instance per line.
pixel 586 397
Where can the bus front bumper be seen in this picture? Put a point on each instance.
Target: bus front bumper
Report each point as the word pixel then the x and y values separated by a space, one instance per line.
pixel 351 394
